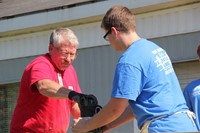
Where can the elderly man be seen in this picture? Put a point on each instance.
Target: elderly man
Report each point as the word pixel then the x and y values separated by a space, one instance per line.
pixel 43 105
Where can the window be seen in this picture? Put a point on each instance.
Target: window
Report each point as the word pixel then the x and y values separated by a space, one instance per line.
pixel 8 98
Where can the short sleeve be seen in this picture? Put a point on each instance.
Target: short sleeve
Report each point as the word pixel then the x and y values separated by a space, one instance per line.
pixel 39 71
pixel 127 82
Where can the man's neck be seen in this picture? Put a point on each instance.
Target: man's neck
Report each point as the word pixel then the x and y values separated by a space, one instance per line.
pixel 130 38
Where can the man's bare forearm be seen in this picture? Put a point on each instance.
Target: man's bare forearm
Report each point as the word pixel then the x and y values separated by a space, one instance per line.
pixel 52 89
pixel 126 116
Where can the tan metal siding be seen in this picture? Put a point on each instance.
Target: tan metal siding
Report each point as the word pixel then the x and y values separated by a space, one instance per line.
pixel 187 71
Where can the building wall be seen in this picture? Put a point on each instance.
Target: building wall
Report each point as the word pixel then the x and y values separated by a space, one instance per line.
pixel 187 71
pixel 155 24
pixel 95 69
pixel 97 64
pixel 176 28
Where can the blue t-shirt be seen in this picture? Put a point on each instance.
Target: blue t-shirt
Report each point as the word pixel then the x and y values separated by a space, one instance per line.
pixel 192 96
pixel 144 75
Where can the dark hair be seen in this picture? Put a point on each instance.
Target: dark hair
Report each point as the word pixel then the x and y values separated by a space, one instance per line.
pixel 119 17
pixel 198 50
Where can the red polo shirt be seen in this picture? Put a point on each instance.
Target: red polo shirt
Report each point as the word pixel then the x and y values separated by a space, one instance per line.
pixel 37 113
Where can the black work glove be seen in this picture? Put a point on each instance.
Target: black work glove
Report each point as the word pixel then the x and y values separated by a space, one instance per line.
pixel 88 105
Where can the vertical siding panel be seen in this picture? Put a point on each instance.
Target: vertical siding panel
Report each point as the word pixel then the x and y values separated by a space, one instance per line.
pixel 2 48
pixel 95 69
pixel 187 72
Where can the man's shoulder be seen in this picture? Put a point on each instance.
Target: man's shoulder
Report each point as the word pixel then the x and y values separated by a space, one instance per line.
pixel 193 84
pixel 38 60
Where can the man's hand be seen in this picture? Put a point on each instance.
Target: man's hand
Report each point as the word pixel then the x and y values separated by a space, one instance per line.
pixel 79 125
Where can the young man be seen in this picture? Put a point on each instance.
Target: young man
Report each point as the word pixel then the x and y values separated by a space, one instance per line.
pixel 145 85
pixel 43 105
pixel 192 95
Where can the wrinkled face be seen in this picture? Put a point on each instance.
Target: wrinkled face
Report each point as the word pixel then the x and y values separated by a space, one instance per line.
pixel 63 55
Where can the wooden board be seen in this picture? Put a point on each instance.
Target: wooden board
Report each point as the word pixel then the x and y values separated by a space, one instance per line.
pixel 10 8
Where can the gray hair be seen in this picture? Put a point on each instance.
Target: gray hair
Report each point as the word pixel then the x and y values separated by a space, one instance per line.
pixel 58 34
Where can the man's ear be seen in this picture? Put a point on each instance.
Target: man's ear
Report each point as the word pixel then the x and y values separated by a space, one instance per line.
pixel 115 31
pixel 51 47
